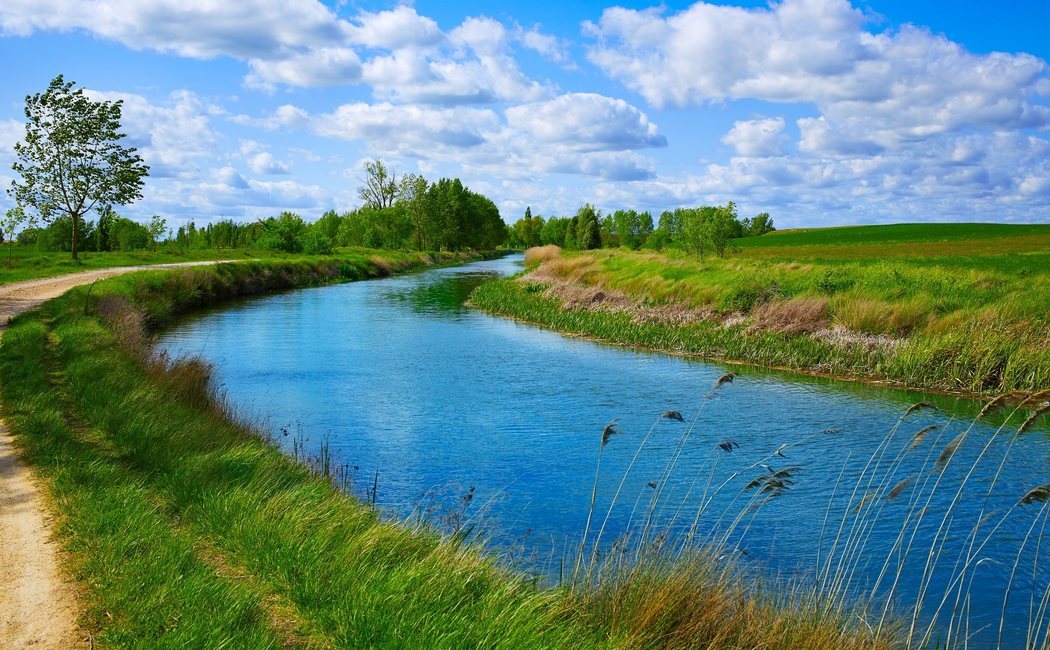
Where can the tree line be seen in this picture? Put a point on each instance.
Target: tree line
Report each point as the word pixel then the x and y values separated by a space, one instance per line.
pixel 399 212
pixel 698 230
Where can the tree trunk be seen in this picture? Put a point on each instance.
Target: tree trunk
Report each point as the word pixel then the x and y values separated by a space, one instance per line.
pixel 76 234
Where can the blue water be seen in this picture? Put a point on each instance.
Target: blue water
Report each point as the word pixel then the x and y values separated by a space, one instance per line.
pixel 426 399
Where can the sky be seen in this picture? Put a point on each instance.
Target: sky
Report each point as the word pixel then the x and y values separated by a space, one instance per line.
pixel 819 112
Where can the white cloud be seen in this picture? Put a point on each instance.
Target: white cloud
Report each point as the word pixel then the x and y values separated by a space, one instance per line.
pixel 193 28
pixel 302 43
pixel 171 136
pixel 11 131
pixel 586 121
pixel 395 29
pixel 264 163
pixel 392 129
pixel 327 66
pixel 885 87
pixel 585 134
pixel 999 177
pixel 474 66
pixel 549 47
pixel 762 137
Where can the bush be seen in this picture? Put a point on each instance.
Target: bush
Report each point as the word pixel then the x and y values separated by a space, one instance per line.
pixel 316 242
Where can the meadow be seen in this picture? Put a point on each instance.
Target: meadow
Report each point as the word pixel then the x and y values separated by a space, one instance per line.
pixel 952 307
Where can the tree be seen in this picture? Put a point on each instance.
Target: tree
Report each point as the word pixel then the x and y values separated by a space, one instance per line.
pixel 721 226
pixel 13 219
pixel 72 159
pixel 381 185
pixel 758 225
pixel 413 193
pixel 588 232
pixel 157 227
pixel 285 233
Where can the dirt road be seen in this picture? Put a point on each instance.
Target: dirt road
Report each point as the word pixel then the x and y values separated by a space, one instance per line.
pixel 38 602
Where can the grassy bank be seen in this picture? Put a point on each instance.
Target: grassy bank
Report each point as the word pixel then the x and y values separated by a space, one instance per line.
pixel 836 301
pixel 20 263
pixel 23 263
pixel 185 528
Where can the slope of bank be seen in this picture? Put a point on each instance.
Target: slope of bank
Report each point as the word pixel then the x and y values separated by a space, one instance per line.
pixel 39 605
pixel 184 528
pixel 957 324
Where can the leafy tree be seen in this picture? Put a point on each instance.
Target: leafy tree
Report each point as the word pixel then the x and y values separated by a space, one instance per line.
pixel 758 225
pixel 414 194
pixel 106 216
pixel 71 159
pixel 380 185
pixel 692 229
pixel 316 242
pixel 13 219
pixel 588 232
pixel 553 231
pixel 128 235
pixel 285 233
pixel 157 226
pixel 570 233
pixel 632 228
pixel 722 225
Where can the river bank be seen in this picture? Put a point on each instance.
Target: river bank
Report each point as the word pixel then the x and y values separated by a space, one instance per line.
pixel 905 324
pixel 184 527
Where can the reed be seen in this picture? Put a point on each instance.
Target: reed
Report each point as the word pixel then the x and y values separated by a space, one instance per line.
pixel 844 586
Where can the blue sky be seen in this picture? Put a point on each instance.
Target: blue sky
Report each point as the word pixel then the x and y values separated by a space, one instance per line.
pixel 820 112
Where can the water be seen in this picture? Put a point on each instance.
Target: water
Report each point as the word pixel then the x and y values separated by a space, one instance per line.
pixel 427 399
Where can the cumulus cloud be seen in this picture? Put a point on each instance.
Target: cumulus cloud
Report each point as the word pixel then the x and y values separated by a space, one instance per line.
pixel 327 66
pixel 549 47
pixel 392 128
pixel 475 65
pixel 264 163
pixel 395 29
pixel 1001 176
pixel 762 137
pixel 887 87
pixel 171 136
pixel 193 28
pixel 586 121
pixel 580 134
pixel 303 43
pixel 11 131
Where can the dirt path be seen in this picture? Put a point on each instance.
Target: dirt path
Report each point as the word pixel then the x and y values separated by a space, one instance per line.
pixel 38 602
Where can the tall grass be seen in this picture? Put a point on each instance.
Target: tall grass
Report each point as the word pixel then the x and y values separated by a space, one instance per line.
pixel 971 333
pixel 942 507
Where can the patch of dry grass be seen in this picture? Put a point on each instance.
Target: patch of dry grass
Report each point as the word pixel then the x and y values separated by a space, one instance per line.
pixel 802 315
pixel 541 254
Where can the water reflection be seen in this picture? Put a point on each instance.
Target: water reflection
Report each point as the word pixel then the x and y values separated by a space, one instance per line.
pixel 407 384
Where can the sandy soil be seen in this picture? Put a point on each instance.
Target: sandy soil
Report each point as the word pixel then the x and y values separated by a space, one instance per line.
pixel 38 602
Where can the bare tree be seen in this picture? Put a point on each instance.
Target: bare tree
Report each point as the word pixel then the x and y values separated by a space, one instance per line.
pixel 380 187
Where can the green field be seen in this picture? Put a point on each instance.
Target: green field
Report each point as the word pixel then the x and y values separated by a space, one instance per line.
pixel 955 307
pixel 895 233
pixel 18 263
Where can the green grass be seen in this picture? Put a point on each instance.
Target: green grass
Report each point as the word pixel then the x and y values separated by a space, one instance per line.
pixel 895 233
pixel 962 321
pixel 19 263
pixel 184 528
